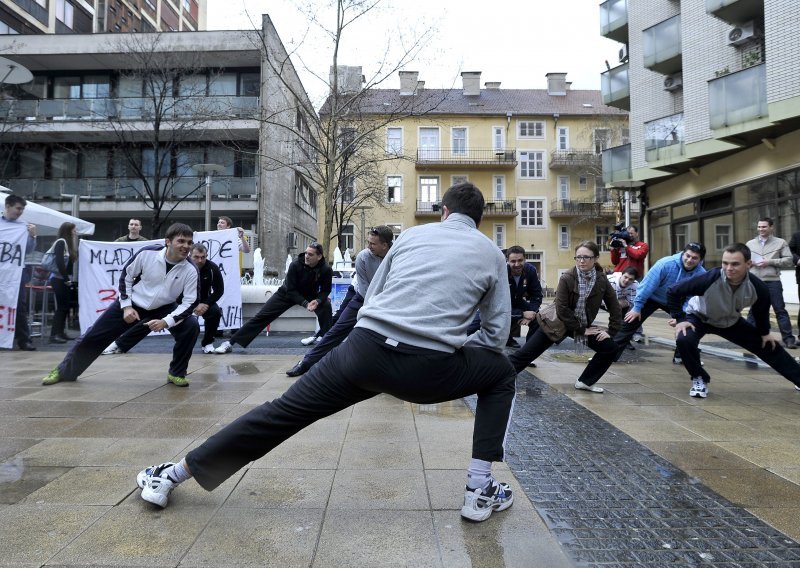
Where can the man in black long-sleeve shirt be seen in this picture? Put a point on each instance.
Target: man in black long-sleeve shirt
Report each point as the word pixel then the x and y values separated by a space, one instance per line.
pixel 308 283
pixel 717 299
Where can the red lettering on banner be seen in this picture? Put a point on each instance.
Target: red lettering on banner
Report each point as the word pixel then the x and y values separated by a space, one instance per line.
pixel 11 324
pixel 107 295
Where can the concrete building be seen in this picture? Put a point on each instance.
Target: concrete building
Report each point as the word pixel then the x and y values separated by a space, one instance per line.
pixel 98 16
pixel 713 89
pixel 535 154
pixel 101 129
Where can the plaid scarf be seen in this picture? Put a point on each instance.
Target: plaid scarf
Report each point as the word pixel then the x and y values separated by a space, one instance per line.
pixel 586 281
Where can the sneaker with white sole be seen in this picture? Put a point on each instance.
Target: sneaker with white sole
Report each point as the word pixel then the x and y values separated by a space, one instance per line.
pixel 480 503
pixel 208 349
pixel 142 475
pixel 225 347
pixel 584 387
pixel 308 340
pixel 156 489
pixel 112 349
pixel 699 388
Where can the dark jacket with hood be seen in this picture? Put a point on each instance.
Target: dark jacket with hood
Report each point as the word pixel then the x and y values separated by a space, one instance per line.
pixel 567 294
pixel 304 284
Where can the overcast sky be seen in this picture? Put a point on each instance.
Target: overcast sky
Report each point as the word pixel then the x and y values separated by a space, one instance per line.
pixel 515 42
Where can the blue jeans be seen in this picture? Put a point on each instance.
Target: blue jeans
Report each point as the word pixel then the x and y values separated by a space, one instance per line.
pixel 776 299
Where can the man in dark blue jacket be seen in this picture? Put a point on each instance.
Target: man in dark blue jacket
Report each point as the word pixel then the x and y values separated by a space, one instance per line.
pixel 526 295
pixel 717 300
pixel 308 283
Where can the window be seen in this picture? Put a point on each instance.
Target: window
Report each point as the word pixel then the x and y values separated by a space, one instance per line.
pixel 67 88
pixel 602 137
pixel 531 164
pixel 249 85
pixel 96 87
pixel 722 236
pixel 500 236
pixel 304 196
pixel 64 12
pixel 499 188
pixel 5 29
pixel 454 180
pixel 429 143
pixel 396 228
pixel 347 237
pixel 394 189
pixel 563 188
pixel 537 260
pixel 601 234
pixel 583 183
pixel 602 194
pixel 563 236
pixel 459 136
pixel 563 138
pixel 428 190
pixel 531 212
pixel 498 138
pixel 394 141
pixel 625 136
pixel 531 129
pixel 349 190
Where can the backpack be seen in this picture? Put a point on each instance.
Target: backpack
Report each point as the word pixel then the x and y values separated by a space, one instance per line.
pixel 49 259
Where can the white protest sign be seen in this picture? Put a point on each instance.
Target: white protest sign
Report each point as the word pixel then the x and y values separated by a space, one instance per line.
pixel 13 240
pixel 100 267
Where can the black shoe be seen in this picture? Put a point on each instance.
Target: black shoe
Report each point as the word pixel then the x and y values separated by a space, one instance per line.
pixel 28 346
pixel 57 339
pixel 297 370
pixel 790 343
pixel 532 364
pixel 512 343
pixel 65 337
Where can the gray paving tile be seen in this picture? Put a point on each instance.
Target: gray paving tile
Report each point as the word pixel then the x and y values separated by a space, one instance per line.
pixel 283 488
pixel 379 489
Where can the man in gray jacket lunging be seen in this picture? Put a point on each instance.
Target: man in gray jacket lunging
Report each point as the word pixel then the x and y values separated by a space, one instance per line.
pixel 410 342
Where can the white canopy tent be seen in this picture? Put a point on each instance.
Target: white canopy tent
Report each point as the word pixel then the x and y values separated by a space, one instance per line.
pixel 48 220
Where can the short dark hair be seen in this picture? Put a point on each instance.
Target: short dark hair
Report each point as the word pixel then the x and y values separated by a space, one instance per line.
pixel 465 198
pixel 632 271
pixel 591 245
pixel 738 247
pixel 227 219
pixel 200 247
pixel 515 249
pixel 179 229
pixel 12 200
pixel 135 219
pixel 634 227
pixel 384 233
pixel 767 220
pixel 699 248
pixel 317 247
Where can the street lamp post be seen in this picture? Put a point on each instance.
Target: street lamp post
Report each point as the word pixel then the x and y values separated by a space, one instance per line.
pixel 363 209
pixel 626 186
pixel 208 170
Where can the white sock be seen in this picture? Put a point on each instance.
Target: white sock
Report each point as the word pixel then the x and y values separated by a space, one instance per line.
pixel 178 472
pixel 479 474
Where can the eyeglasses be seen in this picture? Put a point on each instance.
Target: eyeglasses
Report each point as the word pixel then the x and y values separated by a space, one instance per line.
pixel 695 247
pixel 583 258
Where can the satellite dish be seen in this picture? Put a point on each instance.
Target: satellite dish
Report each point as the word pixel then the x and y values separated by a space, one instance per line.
pixel 13 73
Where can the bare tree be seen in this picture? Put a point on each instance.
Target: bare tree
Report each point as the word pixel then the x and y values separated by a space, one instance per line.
pixel 338 151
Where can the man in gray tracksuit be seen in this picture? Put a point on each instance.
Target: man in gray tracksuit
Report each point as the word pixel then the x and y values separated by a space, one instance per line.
pixel 411 342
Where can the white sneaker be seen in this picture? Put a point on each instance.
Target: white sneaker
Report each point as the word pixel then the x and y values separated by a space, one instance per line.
pixel 156 489
pixel 112 349
pixel 318 339
pixel 309 340
pixel 141 477
pixel 207 349
pixel 479 503
pixel 591 388
pixel 224 347
pixel 638 337
pixel 699 388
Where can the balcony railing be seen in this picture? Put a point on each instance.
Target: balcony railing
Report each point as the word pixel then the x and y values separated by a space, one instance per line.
pixel 616 87
pixel 467 157
pixel 661 46
pixel 505 208
pixel 735 11
pixel 222 187
pixel 738 97
pixel 614 20
pixel 583 208
pixel 617 164
pixel 428 207
pixel 574 159
pixel 664 138
pixel 132 108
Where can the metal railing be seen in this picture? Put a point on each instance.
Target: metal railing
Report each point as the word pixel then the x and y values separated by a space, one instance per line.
pixel 467 156
pixel 574 159
pixel 581 208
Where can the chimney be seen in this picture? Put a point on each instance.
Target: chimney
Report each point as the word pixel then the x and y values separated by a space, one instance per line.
pixel 492 84
pixel 349 79
pixel 472 82
pixel 408 82
pixel 420 86
pixel 556 84
pixel 569 85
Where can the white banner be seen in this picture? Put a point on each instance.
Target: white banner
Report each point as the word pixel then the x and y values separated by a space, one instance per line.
pixel 100 266
pixel 13 240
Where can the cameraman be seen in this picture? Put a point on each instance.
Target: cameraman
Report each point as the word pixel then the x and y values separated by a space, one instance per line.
pixel 628 251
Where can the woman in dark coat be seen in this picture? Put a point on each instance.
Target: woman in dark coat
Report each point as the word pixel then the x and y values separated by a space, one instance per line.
pixel 66 254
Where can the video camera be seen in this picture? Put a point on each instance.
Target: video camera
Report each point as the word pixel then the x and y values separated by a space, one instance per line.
pixel 620 238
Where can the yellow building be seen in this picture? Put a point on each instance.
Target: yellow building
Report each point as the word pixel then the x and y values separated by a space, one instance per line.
pixel 534 153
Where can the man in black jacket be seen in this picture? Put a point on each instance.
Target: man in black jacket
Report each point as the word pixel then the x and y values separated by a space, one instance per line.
pixel 308 283
pixel 716 300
